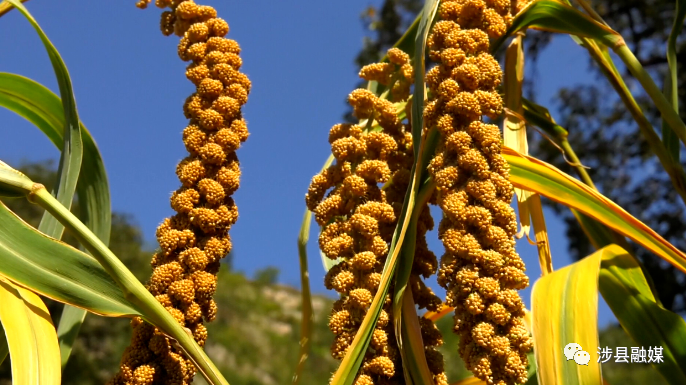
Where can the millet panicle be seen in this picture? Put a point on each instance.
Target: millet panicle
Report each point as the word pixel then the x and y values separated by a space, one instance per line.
pixel 480 269
pixel 195 239
pixel 358 218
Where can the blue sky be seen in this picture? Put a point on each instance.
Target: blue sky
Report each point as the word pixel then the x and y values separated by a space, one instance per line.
pixel 130 88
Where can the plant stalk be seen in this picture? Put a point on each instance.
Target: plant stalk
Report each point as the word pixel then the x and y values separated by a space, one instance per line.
pixel 151 310
pixel 669 114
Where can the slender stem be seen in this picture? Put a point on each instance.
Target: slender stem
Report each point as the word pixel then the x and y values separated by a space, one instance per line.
pixel 668 113
pixel 151 310
pixel 583 174
pixel 673 169
pixel 307 314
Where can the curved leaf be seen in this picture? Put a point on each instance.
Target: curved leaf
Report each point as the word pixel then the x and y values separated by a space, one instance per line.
pixel 307 313
pixel 147 306
pixel 4 8
pixel 72 147
pixel 44 109
pixel 554 16
pixel 631 299
pixel 30 336
pixel 535 175
pixel 57 270
pixel 347 371
pixel 565 310
pixel 670 87
pixel 93 189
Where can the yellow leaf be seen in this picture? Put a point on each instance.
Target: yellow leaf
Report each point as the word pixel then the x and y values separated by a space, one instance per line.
pixel 565 311
pixel 514 128
pixel 535 175
pixel 545 259
pixel 31 336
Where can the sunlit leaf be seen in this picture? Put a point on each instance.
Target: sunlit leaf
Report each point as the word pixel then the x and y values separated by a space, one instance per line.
pixel 43 108
pixel 535 175
pixel 57 270
pixel 347 371
pixel 72 146
pixel 554 16
pixel 31 337
pixel 625 289
pixel 565 310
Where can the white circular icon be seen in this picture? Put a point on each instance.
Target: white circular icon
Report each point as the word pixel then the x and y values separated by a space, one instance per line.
pixel 581 357
pixel 570 349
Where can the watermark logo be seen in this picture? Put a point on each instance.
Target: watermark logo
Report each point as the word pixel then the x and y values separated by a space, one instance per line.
pixel 574 351
pixel 582 358
pixel 638 355
pixel 654 354
pixel 571 349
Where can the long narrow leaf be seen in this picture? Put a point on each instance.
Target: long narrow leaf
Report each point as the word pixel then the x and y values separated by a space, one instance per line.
pixel 514 128
pixel 68 329
pixel 6 7
pixel 545 179
pixel 670 88
pixel 72 147
pixel 31 337
pixel 149 308
pixel 68 172
pixel 347 371
pixel 307 313
pixel 43 108
pixel 554 16
pixel 564 305
pixel 650 325
pixel 557 17
pixel 57 270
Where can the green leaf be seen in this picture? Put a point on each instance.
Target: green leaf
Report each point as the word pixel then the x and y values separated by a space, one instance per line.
pixel 347 371
pixel 143 302
pixel 669 138
pixel 57 270
pixel 70 167
pixel 14 184
pixel 627 292
pixel 68 329
pixel 307 313
pixel 72 148
pixel 553 16
pixel 30 336
pixel 564 306
pixel 43 108
pixel 535 175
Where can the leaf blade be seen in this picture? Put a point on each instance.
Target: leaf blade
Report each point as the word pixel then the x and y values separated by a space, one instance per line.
pixel 43 108
pixel 627 292
pixel 535 175
pixel 56 270
pixel 564 304
pixel 72 148
pixel 30 336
